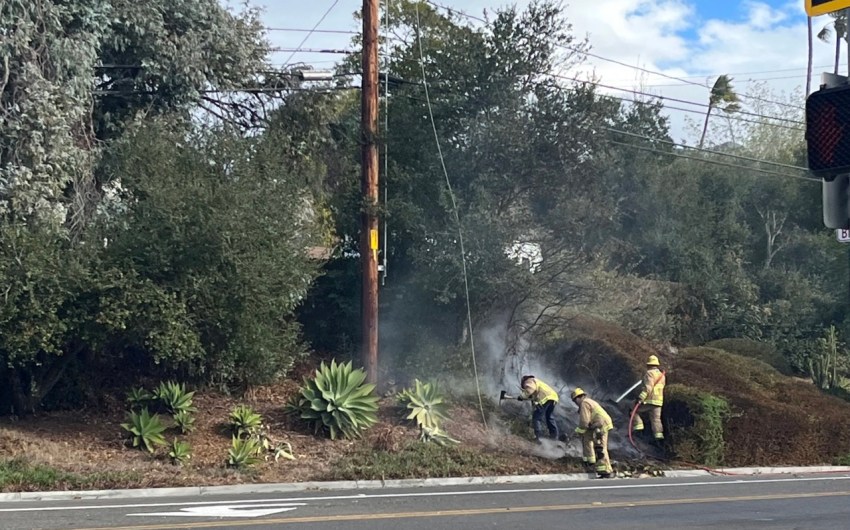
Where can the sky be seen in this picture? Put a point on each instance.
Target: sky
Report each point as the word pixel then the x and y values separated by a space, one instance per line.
pixel 758 42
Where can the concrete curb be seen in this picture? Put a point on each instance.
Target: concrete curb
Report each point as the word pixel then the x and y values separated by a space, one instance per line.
pixel 300 487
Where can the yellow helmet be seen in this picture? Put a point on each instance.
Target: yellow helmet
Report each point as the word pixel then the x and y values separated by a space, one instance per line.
pixel 576 393
pixel 653 361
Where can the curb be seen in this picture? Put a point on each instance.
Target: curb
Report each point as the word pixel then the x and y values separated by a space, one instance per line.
pixel 299 487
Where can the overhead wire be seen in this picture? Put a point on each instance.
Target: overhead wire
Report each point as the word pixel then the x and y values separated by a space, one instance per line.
pixel 310 33
pixel 714 162
pixel 621 63
pixel 456 215
pixel 702 150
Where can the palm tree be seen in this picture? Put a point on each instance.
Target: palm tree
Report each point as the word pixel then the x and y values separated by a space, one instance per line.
pixel 723 97
pixel 809 67
pixel 839 26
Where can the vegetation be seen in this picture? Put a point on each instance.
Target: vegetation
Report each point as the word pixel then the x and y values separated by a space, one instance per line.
pixel 180 452
pixel 244 452
pixel 174 398
pixel 185 421
pixel 428 410
pixel 173 207
pixel 145 430
pixel 336 401
pixel 20 475
pixel 244 421
pixel 415 461
pixel 698 419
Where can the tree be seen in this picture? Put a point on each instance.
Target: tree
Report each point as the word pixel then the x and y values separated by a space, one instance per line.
pixel 839 28
pixel 76 77
pixel 724 97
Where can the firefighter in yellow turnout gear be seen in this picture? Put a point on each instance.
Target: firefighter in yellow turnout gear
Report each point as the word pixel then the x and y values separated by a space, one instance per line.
pixel 651 399
pixel 543 398
pixel 593 426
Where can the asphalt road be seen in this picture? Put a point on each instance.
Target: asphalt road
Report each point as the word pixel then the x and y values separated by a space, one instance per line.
pixel 768 502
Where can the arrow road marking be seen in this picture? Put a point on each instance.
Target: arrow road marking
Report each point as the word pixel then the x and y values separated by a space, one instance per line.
pixel 227 510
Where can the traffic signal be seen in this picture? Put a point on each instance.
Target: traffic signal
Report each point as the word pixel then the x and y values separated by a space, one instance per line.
pixel 822 7
pixel 828 131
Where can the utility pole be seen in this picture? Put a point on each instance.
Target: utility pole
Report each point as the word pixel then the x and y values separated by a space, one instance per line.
pixel 369 186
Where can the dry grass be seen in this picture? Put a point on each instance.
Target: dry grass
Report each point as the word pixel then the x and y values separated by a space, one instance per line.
pixel 87 449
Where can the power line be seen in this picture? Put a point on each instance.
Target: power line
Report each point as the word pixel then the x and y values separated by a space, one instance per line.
pixel 310 33
pixel 300 30
pixel 750 80
pixel 310 50
pixel 704 105
pixel 602 58
pixel 684 81
pixel 710 151
pixel 715 162
pixel 247 90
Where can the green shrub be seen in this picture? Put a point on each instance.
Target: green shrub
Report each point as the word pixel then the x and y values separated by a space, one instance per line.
pixel 174 398
pixel 244 452
pixel 697 419
pixel 145 429
pixel 138 398
pixel 185 421
pixel 180 452
pixel 244 421
pixel 336 401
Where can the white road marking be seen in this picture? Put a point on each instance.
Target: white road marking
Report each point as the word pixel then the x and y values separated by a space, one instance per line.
pixel 363 496
pixel 229 510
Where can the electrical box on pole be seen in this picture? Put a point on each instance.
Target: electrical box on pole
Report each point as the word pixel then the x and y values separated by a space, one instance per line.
pixel 828 146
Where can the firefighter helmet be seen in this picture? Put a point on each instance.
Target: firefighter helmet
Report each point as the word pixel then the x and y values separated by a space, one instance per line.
pixel 577 393
pixel 653 361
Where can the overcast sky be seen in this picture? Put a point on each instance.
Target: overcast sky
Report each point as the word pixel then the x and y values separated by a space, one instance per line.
pixel 754 41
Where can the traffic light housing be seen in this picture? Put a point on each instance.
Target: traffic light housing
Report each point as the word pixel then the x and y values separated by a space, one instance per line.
pixel 828 131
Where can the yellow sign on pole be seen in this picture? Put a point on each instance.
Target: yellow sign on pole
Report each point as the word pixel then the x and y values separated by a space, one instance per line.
pixel 822 7
pixel 373 239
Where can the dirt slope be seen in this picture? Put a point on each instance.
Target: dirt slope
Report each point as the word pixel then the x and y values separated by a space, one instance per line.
pixel 774 419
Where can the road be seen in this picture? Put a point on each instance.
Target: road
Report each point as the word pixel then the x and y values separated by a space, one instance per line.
pixel 767 502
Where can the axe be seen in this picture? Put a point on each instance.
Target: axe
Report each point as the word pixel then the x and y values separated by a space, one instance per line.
pixel 504 395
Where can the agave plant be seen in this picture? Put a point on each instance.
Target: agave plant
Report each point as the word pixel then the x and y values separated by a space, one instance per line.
pixel 283 450
pixel 138 398
pixel 185 421
pixel 438 436
pixel 180 452
pixel 174 397
pixel 244 452
pixel 145 429
pixel 337 402
pixel 244 421
pixel 426 404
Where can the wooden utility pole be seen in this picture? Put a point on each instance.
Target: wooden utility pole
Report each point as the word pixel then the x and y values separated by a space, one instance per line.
pixel 369 184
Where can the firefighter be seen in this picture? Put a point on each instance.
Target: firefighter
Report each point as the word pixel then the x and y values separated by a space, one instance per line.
pixel 593 426
pixel 651 399
pixel 543 398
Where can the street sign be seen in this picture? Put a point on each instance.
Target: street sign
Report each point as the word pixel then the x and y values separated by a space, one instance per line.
pixel 822 7
pixel 843 235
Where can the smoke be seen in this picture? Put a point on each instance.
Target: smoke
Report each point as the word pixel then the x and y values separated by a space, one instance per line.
pixel 504 358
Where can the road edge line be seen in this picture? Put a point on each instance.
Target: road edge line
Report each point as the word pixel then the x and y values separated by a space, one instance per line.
pixel 299 487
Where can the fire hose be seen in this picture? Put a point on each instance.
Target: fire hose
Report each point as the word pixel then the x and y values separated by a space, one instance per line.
pixel 689 464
